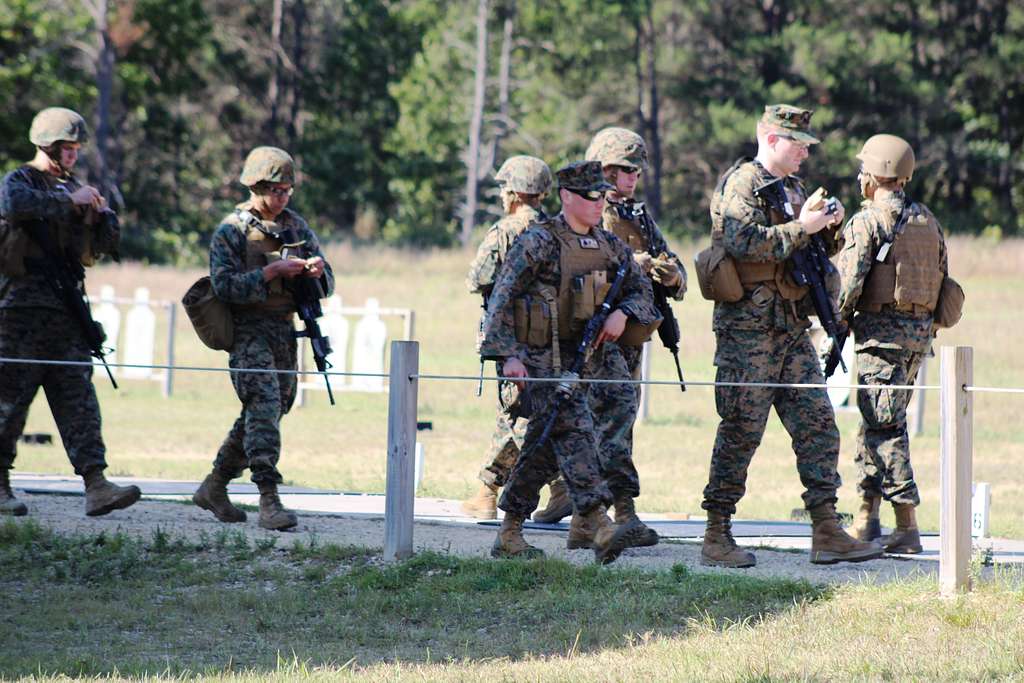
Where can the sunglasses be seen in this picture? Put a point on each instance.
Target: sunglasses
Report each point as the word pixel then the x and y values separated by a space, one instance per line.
pixel 798 143
pixel 281 192
pixel 589 195
pixel 630 170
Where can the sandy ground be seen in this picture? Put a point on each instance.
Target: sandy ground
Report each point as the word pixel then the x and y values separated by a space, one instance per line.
pixel 65 514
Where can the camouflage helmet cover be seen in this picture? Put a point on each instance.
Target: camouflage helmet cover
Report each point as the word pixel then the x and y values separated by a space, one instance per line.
pixel 57 124
pixel 618 147
pixel 525 174
pixel 887 156
pixel 268 164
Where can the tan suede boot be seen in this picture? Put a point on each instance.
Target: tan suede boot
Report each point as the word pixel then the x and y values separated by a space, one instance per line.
pixel 273 515
pixel 9 505
pixel 830 544
pixel 581 531
pixel 610 539
pixel 905 538
pixel 559 505
pixel 866 526
pixel 510 542
pixel 483 505
pixel 719 548
pixel 640 534
pixel 212 495
pixel 102 496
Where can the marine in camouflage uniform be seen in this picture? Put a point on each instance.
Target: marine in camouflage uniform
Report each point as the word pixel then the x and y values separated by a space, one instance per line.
pixel 892 336
pixel 248 273
pixel 45 196
pixel 623 157
pixel 524 182
pixel 763 337
pixel 531 281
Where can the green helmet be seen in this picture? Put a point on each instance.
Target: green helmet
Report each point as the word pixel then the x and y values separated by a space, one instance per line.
pixel 618 147
pixel 57 124
pixel 887 156
pixel 525 174
pixel 268 165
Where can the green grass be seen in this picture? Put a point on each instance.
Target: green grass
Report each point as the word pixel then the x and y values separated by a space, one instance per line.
pixel 344 447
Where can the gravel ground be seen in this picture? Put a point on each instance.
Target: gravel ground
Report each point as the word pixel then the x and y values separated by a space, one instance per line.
pixel 65 514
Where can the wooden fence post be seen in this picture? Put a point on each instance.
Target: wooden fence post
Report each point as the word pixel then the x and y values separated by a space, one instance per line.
pixel 957 440
pixel 400 492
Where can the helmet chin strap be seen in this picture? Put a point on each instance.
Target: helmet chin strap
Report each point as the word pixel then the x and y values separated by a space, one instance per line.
pixel 53 152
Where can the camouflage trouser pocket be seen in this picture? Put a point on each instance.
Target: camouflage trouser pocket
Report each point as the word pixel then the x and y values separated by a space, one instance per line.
pixel 729 400
pixel 882 405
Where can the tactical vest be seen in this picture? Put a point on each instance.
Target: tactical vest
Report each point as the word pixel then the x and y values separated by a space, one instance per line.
pixel 261 249
pixel 626 228
pixel 909 278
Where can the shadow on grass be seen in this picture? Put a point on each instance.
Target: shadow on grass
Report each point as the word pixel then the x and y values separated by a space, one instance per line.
pixel 167 605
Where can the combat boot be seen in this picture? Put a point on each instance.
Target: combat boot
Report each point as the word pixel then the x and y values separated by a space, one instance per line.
pixel 559 504
pixel 719 548
pixel 484 505
pixel 610 539
pixel 9 505
pixel 510 542
pixel 582 531
pixel 905 538
pixel 830 544
pixel 866 526
pixel 273 515
pixel 640 534
pixel 212 495
pixel 102 496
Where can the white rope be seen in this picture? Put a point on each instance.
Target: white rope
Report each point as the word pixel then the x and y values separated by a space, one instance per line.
pixel 254 371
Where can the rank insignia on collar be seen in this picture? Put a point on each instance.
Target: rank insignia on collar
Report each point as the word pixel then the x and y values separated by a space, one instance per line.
pixel 588 243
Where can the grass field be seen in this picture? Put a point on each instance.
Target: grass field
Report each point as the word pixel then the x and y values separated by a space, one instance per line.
pixel 344 447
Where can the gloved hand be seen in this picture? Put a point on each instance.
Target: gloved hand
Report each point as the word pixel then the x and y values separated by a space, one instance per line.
pixel 644 260
pixel 666 271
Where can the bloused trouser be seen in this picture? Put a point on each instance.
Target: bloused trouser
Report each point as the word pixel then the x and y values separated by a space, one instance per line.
pixel 883 446
pixel 571 450
pixel 255 439
pixel 49 334
pixel 778 357
pixel 615 408
pixel 507 440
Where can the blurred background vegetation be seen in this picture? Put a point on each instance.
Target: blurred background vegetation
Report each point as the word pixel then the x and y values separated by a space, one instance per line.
pixel 377 99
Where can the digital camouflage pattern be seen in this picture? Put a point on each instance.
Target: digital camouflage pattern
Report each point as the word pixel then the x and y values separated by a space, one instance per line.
pixel 483 271
pixel 763 338
pixel 261 342
pixel 57 124
pixel 890 346
pixel 614 407
pixel 507 439
pixel 49 334
pixel 525 174
pixel 793 121
pixel 618 147
pixel 583 175
pixel 268 164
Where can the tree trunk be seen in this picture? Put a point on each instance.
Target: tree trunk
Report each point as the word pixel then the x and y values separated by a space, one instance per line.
pixel 106 181
pixel 475 124
pixel 653 191
pixel 274 87
pixel 504 76
pixel 298 55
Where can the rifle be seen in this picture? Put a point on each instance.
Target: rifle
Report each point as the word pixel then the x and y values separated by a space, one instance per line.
pixel 668 331
pixel 307 293
pixel 811 266
pixel 571 377
pixel 66 276
pixel 480 334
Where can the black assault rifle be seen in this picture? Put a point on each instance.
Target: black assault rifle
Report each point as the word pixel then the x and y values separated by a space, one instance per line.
pixel 65 275
pixel 811 267
pixel 668 331
pixel 307 293
pixel 480 334
pixel 571 377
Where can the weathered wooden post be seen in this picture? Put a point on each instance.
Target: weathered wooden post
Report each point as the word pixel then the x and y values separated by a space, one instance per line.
pixel 957 442
pixel 400 486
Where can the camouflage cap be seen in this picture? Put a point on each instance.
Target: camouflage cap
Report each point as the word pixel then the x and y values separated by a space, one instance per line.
pixel 583 175
pixel 618 147
pixel 268 164
pixel 525 174
pixel 57 124
pixel 795 122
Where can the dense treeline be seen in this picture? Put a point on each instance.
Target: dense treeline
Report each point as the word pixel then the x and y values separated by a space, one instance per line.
pixel 398 118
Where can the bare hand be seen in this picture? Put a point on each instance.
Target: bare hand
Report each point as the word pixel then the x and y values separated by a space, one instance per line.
pixel 514 368
pixel 612 329
pixel 286 268
pixel 87 195
pixel 814 220
pixel 315 267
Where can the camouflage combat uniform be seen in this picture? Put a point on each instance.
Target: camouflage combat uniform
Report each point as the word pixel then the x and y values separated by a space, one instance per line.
pixel 35 324
pixel 890 346
pixel 263 339
pixel 507 440
pixel 572 447
pixel 763 338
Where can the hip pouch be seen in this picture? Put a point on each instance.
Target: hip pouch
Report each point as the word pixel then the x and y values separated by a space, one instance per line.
pixel 951 303
pixel 717 276
pixel 210 316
